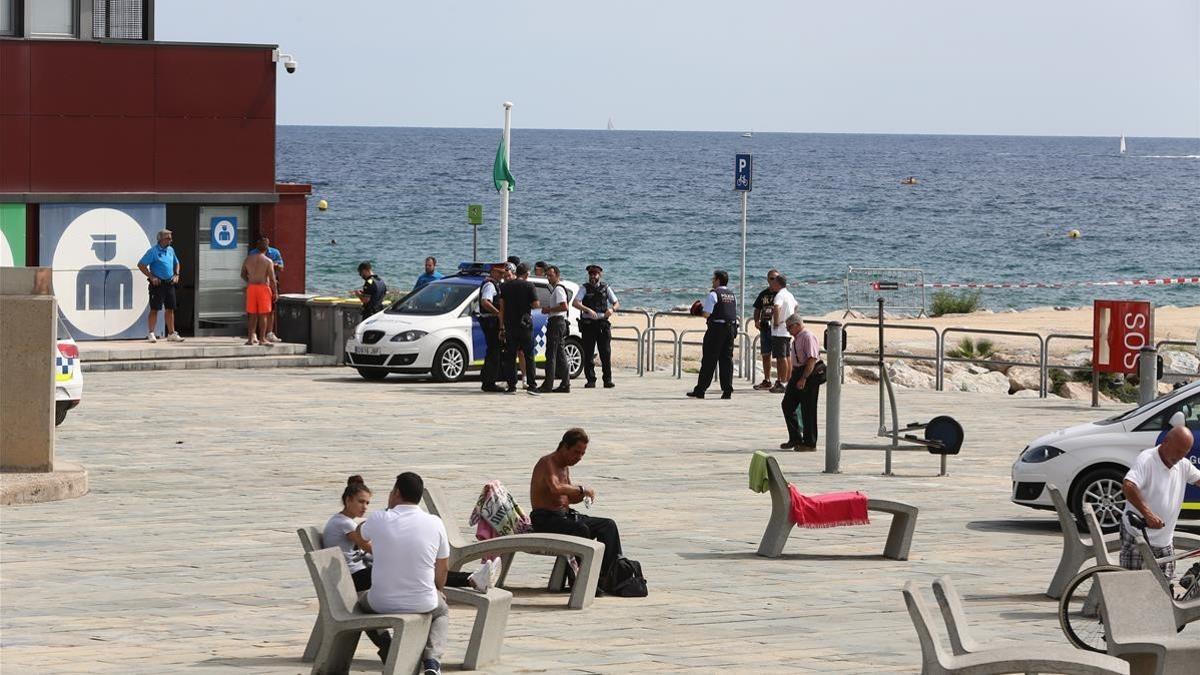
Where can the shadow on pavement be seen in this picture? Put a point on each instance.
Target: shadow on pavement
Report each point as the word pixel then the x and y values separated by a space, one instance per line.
pixel 1024 526
pixel 751 555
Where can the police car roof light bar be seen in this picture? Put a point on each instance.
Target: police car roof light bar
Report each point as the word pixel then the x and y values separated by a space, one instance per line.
pixel 475 268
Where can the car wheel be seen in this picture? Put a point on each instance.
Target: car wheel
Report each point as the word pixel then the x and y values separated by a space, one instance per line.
pixel 449 362
pixel 60 411
pixel 372 373
pixel 574 350
pixel 1102 488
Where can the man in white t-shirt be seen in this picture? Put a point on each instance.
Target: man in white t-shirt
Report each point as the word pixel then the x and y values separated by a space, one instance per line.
pixel 412 555
pixel 785 305
pixel 1154 488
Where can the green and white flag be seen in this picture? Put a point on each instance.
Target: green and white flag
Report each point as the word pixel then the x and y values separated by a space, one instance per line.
pixel 500 170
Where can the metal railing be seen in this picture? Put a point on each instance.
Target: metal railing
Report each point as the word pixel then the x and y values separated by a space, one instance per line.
pixel 637 337
pixel 648 335
pixel 1040 365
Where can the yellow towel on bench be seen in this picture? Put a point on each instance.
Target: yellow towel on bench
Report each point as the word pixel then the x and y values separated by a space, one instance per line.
pixel 758 472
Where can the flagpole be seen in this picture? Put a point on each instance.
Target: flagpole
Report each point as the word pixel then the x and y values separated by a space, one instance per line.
pixel 504 184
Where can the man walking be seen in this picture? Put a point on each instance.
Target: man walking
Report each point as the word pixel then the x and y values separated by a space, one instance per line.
pixel 783 306
pixel 1154 488
pixel 551 494
pixel 802 388
pixel 597 302
pixel 412 559
pixel 763 313
pixel 517 299
pixel 372 291
pixel 431 274
pixel 264 245
pixel 556 335
pixel 489 323
pixel 258 271
pixel 161 267
pixel 720 309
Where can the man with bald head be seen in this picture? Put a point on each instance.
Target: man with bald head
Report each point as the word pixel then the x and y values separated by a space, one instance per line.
pixel 1154 489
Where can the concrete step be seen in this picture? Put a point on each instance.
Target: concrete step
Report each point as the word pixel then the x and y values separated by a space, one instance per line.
pixel 93 352
pixel 260 361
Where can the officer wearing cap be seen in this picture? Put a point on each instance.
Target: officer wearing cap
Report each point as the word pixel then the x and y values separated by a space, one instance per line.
pixel 372 292
pixel 596 302
pixel 489 323
pixel 720 308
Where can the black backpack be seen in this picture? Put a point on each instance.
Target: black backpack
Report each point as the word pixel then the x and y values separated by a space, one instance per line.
pixel 625 579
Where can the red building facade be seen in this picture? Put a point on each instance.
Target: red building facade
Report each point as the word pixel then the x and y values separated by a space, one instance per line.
pixel 96 133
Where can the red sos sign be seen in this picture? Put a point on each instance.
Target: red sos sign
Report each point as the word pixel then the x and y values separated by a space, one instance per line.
pixel 1120 329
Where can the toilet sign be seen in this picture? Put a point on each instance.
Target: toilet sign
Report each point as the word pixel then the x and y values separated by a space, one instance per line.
pixel 224 232
pixel 1120 329
pixel 743 172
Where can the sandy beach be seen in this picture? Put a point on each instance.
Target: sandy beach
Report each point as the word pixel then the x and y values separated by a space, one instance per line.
pixel 1170 323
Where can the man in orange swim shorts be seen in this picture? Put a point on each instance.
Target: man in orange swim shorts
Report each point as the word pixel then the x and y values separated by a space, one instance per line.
pixel 261 291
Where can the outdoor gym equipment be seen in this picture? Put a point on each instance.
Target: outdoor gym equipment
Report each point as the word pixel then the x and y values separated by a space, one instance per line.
pixel 942 436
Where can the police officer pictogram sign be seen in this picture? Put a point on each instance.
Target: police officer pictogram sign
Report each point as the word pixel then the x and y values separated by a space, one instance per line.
pixel 743 172
pixel 224 232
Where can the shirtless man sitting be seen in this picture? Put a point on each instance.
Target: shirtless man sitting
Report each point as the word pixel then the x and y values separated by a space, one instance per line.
pixel 551 495
pixel 261 291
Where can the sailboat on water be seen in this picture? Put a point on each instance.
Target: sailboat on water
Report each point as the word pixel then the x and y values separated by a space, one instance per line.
pixel 611 126
pixel 1122 144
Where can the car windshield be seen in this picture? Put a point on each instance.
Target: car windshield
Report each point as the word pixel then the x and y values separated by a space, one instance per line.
pixel 1142 408
pixel 63 333
pixel 436 298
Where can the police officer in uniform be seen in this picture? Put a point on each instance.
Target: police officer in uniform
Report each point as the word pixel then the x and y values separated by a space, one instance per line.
pixel 517 298
pixel 597 302
pixel 372 291
pixel 556 334
pixel 489 323
pixel 720 308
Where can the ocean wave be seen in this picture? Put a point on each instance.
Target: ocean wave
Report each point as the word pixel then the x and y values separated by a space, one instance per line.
pixel 1167 156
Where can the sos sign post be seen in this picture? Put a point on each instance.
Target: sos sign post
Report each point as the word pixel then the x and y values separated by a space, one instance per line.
pixel 1120 329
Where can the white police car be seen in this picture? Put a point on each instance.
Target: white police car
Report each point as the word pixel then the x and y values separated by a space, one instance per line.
pixel 436 330
pixel 68 374
pixel 1088 461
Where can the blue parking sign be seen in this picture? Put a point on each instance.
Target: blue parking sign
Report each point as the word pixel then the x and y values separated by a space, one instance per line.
pixel 743 172
pixel 224 232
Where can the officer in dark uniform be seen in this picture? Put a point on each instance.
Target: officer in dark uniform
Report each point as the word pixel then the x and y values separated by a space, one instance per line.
pixel 556 334
pixel 372 292
pixel 597 302
pixel 720 308
pixel 517 299
pixel 489 323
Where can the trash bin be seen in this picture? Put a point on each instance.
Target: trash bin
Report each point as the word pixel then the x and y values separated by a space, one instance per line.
pixel 348 314
pixel 293 321
pixel 322 329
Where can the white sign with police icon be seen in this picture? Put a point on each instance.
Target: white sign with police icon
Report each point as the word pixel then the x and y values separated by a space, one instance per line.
pixel 224 232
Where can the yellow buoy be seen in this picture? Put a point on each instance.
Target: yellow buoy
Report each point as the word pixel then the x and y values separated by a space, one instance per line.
pixel 322 204
pixel 1073 234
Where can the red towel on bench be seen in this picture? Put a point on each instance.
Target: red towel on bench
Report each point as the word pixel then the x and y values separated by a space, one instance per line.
pixel 829 510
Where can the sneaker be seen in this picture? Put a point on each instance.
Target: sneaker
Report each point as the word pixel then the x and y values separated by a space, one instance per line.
pixel 532 391
pixel 765 385
pixel 609 385
pixel 150 337
pixel 175 337
pixel 695 394
pixel 272 337
pixel 778 388
pixel 511 389
pixel 431 667
pixel 481 579
pixel 726 395
pixel 561 390
pixel 788 445
pixel 590 385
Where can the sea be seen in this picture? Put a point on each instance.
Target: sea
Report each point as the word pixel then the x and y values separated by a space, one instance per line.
pixel 657 210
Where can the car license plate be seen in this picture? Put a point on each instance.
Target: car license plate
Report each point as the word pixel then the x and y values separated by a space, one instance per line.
pixel 373 351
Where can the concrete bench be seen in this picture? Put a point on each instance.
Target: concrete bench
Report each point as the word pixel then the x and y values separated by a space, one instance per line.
pixel 560 546
pixel 487 632
pixel 1077 549
pixel 1018 658
pixel 1186 611
pixel 961 642
pixel 1140 626
pixel 342 622
pixel 779 528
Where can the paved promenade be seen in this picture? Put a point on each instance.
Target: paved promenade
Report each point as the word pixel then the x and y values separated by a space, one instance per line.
pixel 184 556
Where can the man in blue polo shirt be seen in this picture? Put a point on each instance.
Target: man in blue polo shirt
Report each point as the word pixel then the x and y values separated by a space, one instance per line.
pixel 264 244
pixel 431 274
pixel 161 267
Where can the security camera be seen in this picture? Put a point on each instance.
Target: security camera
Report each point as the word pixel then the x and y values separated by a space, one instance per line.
pixel 290 65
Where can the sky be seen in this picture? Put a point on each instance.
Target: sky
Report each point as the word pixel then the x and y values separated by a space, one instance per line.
pixel 1022 67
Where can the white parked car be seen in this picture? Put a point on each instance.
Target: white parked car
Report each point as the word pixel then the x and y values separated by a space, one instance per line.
pixel 68 374
pixel 436 331
pixel 1088 462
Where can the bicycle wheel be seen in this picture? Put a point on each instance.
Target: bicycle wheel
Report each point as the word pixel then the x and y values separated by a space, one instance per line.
pixel 1079 610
